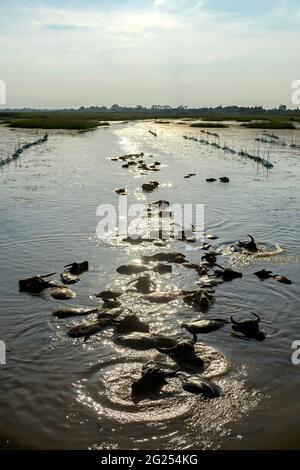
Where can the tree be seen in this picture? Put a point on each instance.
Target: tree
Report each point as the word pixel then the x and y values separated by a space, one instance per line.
pixel 282 107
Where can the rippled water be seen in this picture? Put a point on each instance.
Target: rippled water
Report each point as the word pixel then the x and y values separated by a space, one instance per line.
pixel 63 393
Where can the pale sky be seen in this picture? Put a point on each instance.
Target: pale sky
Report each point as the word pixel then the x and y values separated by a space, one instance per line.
pixel 70 53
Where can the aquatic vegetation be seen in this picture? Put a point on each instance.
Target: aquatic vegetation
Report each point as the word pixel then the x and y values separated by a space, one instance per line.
pixel 273 124
pixel 208 124
pixel 21 149
pixel 228 117
pixel 82 118
pixel 293 145
pixel 56 122
pixel 271 135
pixel 270 141
pixel 242 153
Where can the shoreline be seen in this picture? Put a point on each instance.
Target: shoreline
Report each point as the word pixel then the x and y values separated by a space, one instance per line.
pixel 86 120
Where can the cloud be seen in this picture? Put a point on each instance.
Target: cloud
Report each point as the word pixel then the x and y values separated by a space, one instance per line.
pixel 164 50
pixel 60 27
pixel 159 3
pixel 177 6
pixel 131 22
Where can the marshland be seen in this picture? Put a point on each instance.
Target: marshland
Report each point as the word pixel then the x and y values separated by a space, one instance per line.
pixel 90 118
pixel 67 393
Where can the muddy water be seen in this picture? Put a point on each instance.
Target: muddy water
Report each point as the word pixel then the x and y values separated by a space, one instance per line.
pixel 63 393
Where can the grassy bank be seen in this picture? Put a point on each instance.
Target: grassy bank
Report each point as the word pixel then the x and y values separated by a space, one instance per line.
pixel 208 124
pixel 225 117
pixel 56 122
pixel 270 125
pixel 86 120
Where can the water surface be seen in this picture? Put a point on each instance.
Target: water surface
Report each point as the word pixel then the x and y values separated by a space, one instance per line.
pixel 63 393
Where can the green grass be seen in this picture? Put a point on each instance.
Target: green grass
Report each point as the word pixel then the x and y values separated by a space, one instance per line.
pixel 221 117
pixel 270 125
pixel 265 116
pixel 208 124
pixel 88 120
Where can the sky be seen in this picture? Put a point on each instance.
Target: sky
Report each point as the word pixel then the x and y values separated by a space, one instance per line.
pixel 69 53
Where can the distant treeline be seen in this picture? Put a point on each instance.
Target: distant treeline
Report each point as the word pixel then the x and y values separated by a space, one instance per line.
pixel 89 118
pixel 168 110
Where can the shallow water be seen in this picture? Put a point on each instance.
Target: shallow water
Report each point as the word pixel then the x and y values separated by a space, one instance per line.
pixel 63 393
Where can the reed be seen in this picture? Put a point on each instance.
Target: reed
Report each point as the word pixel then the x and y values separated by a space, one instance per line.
pixel 270 125
pixel 90 119
pixel 209 124
pixel 56 122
